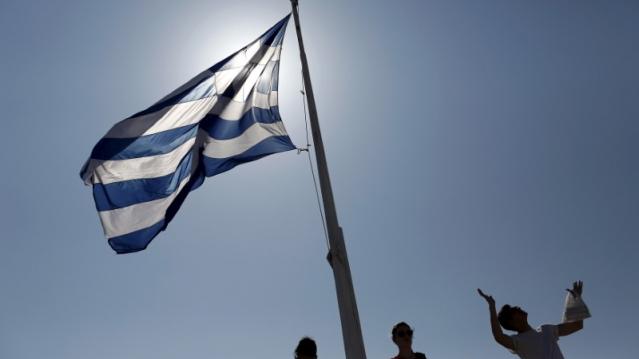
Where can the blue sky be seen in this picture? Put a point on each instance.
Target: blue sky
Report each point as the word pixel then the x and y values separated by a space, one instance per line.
pixel 470 144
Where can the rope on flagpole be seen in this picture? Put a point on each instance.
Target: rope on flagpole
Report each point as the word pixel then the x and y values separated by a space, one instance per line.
pixel 310 163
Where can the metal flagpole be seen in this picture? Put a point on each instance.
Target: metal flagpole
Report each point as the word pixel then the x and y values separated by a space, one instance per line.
pixel 337 257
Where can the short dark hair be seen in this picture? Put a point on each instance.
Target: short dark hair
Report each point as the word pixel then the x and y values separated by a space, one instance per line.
pixel 306 347
pixel 505 317
pixel 396 327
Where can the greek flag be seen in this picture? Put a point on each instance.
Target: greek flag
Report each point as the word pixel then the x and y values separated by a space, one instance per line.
pixel 145 166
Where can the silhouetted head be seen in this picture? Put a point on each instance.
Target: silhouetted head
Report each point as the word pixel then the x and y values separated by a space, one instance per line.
pixel 306 349
pixel 402 334
pixel 513 318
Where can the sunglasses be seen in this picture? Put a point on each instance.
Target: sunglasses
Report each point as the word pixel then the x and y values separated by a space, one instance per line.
pixel 407 333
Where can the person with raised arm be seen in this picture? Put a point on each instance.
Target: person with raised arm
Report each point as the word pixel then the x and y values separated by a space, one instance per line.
pixel 540 343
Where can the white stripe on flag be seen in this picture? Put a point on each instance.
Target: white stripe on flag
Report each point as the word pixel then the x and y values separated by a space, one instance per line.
pixel 245 90
pixel 224 77
pixel 231 110
pixel 272 54
pixel 144 167
pixel 255 134
pixel 129 219
pixel 179 115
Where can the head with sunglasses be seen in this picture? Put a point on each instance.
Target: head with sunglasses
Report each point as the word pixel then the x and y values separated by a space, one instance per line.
pixel 402 335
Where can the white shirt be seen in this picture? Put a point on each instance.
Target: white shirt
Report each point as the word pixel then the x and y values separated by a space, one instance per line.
pixel 538 343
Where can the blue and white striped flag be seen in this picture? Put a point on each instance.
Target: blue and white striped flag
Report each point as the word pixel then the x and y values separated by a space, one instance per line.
pixel 145 166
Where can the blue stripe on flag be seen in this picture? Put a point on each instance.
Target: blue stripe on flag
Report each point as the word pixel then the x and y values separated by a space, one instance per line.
pixel 143 146
pixel 126 193
pixel 222 129
pixel 268 146
pixel 140 239
pixel 136 241
pixel 275 35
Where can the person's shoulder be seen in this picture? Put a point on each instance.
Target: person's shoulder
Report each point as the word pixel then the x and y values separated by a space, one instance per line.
pixel 516 336
pixel 550 330
pixel 419 355
pixel 523 336
pixel 547 328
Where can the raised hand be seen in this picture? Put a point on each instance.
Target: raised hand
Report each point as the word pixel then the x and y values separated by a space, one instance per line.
pixel 489 298
pixel 577 289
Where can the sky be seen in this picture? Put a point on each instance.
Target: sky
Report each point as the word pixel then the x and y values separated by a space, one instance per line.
pixel 470 144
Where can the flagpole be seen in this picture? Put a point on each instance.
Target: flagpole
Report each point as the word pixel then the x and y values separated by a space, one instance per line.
pixel 337 257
